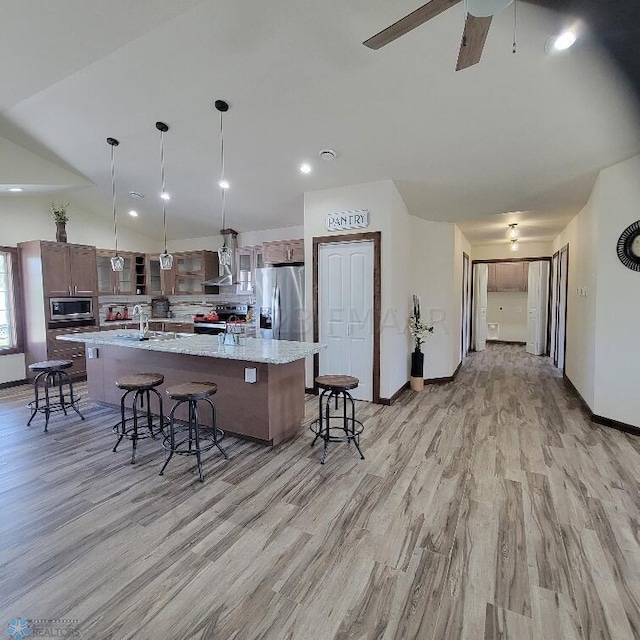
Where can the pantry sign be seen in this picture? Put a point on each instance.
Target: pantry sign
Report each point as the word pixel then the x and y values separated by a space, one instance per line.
pixel 340 220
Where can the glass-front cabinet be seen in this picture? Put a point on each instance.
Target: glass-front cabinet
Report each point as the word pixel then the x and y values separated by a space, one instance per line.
pixel 117 282
pixel 248 259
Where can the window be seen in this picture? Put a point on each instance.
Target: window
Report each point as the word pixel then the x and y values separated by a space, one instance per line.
pixel 10 331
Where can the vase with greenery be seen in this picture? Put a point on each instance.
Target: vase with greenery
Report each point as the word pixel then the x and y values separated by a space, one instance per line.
pixel 419 330
pixel 59 214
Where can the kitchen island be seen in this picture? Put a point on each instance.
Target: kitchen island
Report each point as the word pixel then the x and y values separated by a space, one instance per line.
pixel 268 410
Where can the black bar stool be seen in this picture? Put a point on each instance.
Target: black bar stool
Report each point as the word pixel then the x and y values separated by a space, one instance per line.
pixel 141 385
pixel 336 388
pixel 52 375
pixel 186 439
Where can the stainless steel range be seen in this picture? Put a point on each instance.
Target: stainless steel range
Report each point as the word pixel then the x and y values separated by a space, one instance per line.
pixel 222 315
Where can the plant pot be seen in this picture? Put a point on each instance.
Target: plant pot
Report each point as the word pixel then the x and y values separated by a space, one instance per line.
pixel 61 232
pixel 417 370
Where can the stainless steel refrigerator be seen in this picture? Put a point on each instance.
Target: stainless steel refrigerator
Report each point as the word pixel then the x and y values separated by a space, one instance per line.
pixel 280 303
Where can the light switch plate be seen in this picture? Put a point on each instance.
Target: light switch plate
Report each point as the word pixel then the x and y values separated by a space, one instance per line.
pixel 250 375
pixel 93 353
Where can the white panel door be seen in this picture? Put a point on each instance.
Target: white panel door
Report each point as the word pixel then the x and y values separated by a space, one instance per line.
pixel 345 314
pixel 537 303
pixel 480 277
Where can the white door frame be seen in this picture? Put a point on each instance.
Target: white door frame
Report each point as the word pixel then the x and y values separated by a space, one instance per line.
pixel 466 306
pixel 376 238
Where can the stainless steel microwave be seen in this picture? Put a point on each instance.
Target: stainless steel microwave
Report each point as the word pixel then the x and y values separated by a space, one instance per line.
pixel 65 309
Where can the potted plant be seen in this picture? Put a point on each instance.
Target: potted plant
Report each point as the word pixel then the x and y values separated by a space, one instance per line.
pixel 419 330
pixel 59 214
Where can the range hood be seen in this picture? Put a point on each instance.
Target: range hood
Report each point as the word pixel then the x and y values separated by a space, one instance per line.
pixel 227 257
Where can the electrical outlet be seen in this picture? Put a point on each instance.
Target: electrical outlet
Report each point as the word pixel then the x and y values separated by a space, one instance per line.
pixel 250 375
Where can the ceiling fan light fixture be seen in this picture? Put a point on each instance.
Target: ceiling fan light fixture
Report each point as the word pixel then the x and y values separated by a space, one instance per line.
pixel 486 8
pixel 515 245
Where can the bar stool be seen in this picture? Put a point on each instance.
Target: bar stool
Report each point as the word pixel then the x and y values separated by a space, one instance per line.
pixel 335 387
pixel 186 439
pixel 141 385
pixel 52 374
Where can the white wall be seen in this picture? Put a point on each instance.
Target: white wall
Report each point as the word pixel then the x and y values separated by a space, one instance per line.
pixel 509 310
pixel 616 198
pixel 432 278
pixel 27 218
pixel 245 239
pixel 387 214
pixel 602 349
pixel 12 367
pixel 502 251
pixel 581 235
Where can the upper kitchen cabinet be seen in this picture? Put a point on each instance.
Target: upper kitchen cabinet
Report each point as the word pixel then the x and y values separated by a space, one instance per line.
pixel 191 269
pixel 160 282
pixel 128 281
pixel 248 259
pixel 68 269
pixel 508 277
pixel 283 251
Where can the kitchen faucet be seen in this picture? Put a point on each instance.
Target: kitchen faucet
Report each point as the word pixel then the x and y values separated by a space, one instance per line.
pixel 144 320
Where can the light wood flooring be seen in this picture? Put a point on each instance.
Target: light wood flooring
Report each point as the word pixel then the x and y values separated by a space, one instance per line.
pixel 486 508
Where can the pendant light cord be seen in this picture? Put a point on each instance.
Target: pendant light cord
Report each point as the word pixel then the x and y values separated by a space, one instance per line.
pixel 113 194
pixel 223 195
pixel 164 192
pixel 515 26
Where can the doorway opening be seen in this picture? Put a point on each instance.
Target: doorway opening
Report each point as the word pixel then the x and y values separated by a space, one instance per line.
pixel 511 303
pixel 466 307
pixel 559 291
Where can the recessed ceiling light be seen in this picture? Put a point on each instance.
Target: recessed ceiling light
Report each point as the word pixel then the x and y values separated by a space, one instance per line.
pixel 565 40
pixel 224 184
pixel 133 214
pixel 327 154
pixel 560 42
pixel 165 196
pixel 135 194
pixel 305 168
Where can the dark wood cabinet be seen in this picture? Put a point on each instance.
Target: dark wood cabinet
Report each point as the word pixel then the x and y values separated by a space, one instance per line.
pixel 508 277
pixel 283 252
pixel 132 278
pixel 68 269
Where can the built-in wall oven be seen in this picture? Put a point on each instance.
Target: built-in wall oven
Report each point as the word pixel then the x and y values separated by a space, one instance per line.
pixel 71 312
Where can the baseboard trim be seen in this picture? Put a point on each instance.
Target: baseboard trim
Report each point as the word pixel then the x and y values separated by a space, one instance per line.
pixel 446 379
pixel 602 420
pixel 13 383
pixel 311 390
pixel 522 344
pixel 389 401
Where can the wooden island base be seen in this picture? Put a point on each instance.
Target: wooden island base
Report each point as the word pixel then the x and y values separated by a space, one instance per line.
pixel 268 411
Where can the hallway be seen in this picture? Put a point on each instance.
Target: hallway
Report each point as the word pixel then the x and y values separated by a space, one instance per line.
pixel 490 507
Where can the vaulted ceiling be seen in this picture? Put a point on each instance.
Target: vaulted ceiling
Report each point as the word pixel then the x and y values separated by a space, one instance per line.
pixel 524 132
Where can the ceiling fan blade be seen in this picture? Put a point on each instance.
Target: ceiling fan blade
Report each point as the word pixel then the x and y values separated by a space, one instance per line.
pixel 473 39
pixel 408 23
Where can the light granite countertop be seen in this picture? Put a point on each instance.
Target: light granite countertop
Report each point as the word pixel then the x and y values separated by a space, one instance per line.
pixel 253 350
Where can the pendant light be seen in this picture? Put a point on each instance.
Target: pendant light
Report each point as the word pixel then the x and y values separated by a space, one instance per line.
pixel 166 259
pixel 224 254
pixel 513 233
pixel 514 245
pixel 117 261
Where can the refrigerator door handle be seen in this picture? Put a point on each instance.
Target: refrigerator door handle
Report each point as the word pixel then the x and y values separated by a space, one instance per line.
pixel 274 312
pixel 278 313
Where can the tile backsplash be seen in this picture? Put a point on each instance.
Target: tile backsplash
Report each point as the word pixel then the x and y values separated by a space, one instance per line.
pixel 181 307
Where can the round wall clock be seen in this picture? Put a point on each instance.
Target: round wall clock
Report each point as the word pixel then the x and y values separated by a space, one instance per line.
pixel 629 246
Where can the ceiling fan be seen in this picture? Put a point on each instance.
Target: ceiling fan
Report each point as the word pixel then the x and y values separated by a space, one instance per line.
pixel 476 26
